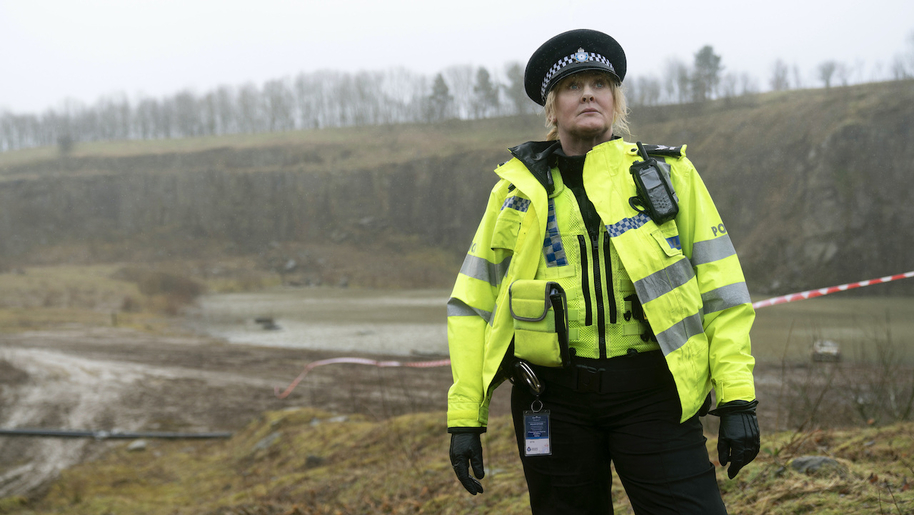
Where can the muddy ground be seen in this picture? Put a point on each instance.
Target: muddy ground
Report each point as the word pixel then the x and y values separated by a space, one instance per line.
pixel 113 379
pixel 119 379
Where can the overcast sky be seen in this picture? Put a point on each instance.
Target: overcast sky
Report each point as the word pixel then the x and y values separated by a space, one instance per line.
pixel 83 49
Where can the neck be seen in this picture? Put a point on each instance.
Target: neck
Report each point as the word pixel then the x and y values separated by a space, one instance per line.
pixel 577 146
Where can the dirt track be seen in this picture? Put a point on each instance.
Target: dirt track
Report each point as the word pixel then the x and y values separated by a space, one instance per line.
pixel 117 379
pixel 121 379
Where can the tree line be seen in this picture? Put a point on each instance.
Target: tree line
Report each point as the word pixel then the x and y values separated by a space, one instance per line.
pixel 339 99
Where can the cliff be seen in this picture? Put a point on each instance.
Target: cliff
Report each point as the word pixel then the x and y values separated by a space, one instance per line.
pixel 814 186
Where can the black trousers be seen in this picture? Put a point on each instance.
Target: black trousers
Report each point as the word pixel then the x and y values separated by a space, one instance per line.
pixel 627 414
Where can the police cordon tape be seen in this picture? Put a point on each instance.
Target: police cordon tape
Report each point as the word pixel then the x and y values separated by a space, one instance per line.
pixel 357 361
pixel 809 294
pixel 803 295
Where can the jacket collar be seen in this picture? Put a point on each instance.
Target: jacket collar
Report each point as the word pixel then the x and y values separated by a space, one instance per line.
pixel 537 157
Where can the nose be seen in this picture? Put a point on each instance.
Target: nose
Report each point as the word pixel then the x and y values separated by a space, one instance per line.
pixel 586 93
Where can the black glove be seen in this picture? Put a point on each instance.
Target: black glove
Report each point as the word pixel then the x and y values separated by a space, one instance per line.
pixel 467 447
pixel 738 442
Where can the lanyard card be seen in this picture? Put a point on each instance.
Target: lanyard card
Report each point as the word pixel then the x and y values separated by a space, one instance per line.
pixel 537 439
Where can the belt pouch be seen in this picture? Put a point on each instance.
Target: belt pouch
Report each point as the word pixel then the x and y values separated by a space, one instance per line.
pixel 539 310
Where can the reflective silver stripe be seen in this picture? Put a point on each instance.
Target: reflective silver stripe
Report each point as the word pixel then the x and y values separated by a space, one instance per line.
pixel 712 250
pixel 484 270
pixel 725 297
pixel 664 281
pixel 677 335
pixel 459 308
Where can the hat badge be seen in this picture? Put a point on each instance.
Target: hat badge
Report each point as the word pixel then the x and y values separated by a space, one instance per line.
pixel 581 56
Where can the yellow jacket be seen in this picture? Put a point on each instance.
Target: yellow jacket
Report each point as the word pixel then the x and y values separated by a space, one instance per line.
pixel 685 272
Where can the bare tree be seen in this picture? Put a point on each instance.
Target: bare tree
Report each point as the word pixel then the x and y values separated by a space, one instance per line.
pixel 187 115
pixel 797 78
pixel 144 118
pixel 902 66
pixel 209 114
pixel 899 69
pixel 728 86
pixel 676 77
pixel 307 93
pixel 399 88
pixel 644 91
pixel 366 100
pixel 249 115
pixel 226 110
pixel 826 71
pixel 278 102
pixel 843 74
pixel 779 76
pixel 748 84
pixel 460 82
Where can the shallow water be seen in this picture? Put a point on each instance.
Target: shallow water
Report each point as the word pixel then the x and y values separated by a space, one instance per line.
pixel 397 322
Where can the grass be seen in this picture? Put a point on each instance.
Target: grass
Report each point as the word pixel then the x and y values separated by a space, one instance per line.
pixel 855 322
pixel 43 297
pixel 309 462
pixel 324 147
pixel 137 293
pixel 303 461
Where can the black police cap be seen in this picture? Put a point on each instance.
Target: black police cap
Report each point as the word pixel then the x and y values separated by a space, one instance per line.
pixel 571 52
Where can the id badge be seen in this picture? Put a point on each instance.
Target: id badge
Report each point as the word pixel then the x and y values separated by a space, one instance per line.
pixel 537 435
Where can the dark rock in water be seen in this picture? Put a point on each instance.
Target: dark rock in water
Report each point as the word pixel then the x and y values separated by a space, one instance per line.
pixel 267 323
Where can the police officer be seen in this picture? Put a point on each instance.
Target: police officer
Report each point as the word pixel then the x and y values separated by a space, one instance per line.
pixel 603 283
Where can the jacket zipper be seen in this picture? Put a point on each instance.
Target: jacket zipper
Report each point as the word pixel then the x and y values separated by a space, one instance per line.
pixel 598 289
pixel 608 266
pixel 585 281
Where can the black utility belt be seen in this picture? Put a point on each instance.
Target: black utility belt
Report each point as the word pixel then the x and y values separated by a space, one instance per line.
pixel 637 371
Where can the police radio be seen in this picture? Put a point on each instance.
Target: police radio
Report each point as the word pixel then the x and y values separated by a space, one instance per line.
pixel 656 196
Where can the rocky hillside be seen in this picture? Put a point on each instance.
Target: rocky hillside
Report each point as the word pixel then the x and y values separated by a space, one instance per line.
pixel 814 186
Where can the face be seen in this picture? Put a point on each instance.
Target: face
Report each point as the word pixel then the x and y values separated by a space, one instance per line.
pixel 584 108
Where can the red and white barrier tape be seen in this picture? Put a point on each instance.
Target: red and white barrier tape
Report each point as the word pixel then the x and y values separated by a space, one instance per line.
pixel 357 361
pixel 809 294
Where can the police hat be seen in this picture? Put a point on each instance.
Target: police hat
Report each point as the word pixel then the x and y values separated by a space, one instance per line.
pixel 571 52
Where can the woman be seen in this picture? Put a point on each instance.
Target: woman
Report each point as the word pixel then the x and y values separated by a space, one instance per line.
pixel 614 310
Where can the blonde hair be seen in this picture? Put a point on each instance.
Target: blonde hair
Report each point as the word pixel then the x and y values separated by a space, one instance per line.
pixel 620 109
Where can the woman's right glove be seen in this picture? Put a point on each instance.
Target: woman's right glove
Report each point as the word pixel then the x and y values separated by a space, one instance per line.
pixel 467 447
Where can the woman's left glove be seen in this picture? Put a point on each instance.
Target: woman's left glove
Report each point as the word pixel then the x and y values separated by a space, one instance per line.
pixel 738 443
pixel 466 447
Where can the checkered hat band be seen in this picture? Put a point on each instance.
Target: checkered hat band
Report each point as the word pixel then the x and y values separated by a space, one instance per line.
pixel 571 59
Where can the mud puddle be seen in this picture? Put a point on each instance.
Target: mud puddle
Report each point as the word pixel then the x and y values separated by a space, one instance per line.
pixel 344 320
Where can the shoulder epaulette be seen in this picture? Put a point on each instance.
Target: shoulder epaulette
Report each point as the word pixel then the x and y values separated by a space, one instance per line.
pixel 663 150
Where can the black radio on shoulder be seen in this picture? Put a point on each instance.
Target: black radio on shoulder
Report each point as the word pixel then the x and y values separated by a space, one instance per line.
pixel 656 196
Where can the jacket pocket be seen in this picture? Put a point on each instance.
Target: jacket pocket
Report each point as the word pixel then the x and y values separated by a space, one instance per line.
pixel 539 310
pixel 668 239
pixel 508 224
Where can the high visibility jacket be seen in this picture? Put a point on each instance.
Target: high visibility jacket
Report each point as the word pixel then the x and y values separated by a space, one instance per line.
pixel 685 272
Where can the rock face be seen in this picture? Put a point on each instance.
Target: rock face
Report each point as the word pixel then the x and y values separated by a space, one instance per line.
pixel 814 187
